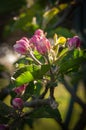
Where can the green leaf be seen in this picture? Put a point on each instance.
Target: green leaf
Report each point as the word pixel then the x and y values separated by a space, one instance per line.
pixel 63 52
pixel 54 113
pixel 29 68
pixel 70 61
pixel 64 57
pixel 39 56
pixel 24 78
pixel 29 91
pixel 33 69
pixel 70 65
pixel 32 89
pixel 78 53
pixel 41 71
pixel 37 88
pixel 46 112
pixel 29 73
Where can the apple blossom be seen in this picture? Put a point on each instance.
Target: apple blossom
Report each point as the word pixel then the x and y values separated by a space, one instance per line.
pixel 17 103
pixel 20 90
pixel 43 45
pixel 39 32
pixel 73 42
pixel 22 45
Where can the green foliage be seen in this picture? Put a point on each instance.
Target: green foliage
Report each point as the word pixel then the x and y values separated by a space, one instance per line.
pixel 41 73
pixel 30 19
pixel 9 6
pixel 24 78
pixel 29 73
pixel 36 16
pixel 71 61
pixel 46 112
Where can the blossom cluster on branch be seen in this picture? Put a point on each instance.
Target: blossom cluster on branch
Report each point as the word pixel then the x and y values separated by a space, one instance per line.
pixel 44 64
pixel 40 43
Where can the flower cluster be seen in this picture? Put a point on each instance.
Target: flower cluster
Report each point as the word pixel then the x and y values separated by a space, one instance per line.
pixel 40 43
pixel 17 102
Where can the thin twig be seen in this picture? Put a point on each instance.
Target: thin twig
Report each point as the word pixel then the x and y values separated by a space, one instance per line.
pixel 34 58
pixel 52 79
pixel 37 103
pixel 52 92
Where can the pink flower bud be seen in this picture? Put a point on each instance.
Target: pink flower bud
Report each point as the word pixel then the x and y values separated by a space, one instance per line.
pixel 35 39
pixel 22 45
pixel 39 32
pixel 20 90
pixel 17 103
pixel 43 45
pixel 73 42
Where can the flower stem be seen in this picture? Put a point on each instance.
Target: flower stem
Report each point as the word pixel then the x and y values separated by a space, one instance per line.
pixel 34 58
pixel 52 79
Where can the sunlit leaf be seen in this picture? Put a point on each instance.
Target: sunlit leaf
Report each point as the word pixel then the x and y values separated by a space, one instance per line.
pixel 24 78
pixel 78 53
pixel 29 73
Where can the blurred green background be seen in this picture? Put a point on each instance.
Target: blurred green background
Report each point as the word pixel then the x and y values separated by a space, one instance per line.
pixel 20 18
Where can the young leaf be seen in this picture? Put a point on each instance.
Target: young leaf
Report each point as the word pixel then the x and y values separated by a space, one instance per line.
pixel 70 65
pixel 24 78
pixel 33 69
pixel 46 112
pixel 29 91
pixel 37 88
pixel 29 73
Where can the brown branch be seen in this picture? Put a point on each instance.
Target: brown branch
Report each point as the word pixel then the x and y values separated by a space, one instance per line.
pixel 41 102
pixel 37 103
pixel 52 92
